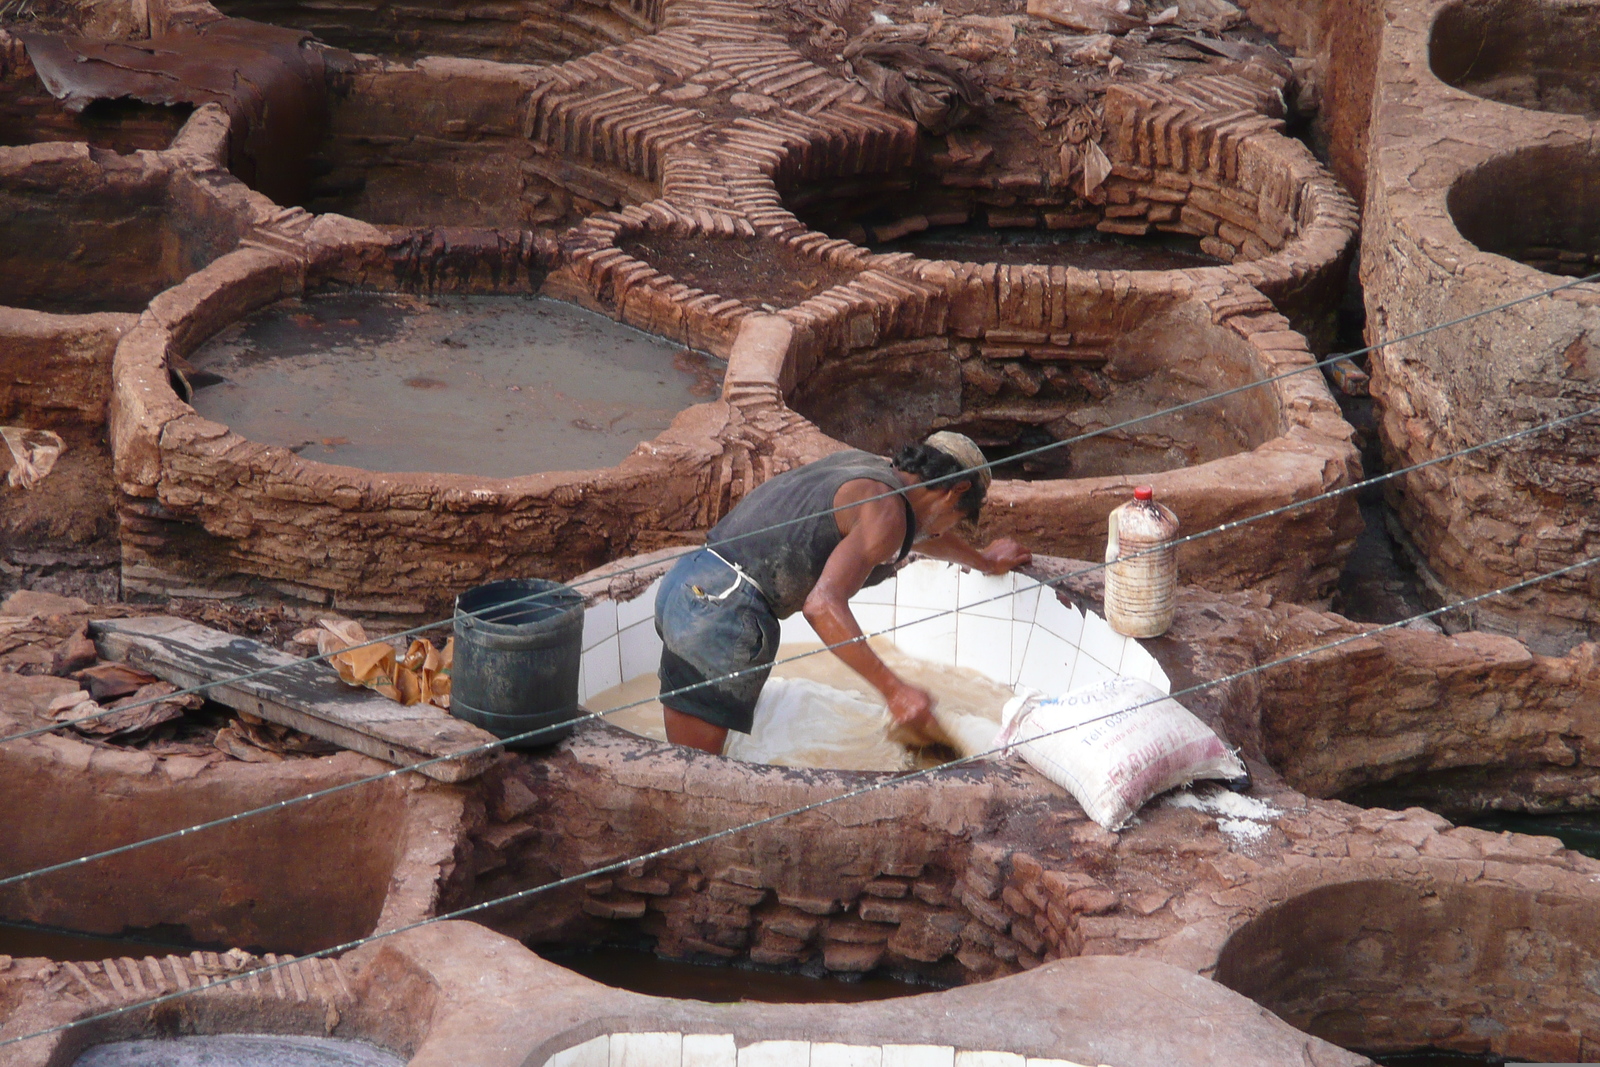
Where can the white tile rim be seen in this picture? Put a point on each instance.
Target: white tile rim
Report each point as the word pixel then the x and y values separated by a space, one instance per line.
pixel 597 1051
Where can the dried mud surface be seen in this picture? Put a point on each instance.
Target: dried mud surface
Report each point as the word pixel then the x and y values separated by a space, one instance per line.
pixel 762 274
pixel 75 505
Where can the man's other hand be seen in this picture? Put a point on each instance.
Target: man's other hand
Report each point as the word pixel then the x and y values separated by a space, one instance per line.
pixel 1003 555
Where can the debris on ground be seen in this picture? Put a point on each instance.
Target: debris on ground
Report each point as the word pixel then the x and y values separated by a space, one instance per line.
pixel 420 676
pixel 1089 16
pixel 51 670
pixel 43 633
pixel 255 740
pixel 108 681
pixel 267 623
pixel 927 85
pixel 140 710
pixel 33 454
pixel 1018 86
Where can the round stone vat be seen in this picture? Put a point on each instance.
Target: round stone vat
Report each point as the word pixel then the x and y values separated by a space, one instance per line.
pixel 440 142
pixel 307 877
pixel 1077 353
pixel 1384 966
pixel 502 384
pixel 204 503
pixel 524 31
pixel 1538 205
pixel 1189 187
pixel 1539 55
pixel 1019 391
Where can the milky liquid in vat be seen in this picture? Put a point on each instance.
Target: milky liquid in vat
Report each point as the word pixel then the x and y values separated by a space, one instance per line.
pixel 496 386
pixel 836 720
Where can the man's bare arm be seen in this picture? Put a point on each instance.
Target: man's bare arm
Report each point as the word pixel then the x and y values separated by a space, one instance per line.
pixel 998 557
pixel 877 529
pixel 876 534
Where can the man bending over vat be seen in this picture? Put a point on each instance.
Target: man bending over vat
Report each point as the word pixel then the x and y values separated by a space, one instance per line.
pixel 718 609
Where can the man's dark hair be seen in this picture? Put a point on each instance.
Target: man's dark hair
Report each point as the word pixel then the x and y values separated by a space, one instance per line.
pixel 928 463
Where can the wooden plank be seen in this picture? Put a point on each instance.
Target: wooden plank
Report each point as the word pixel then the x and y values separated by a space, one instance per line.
pixel 305 694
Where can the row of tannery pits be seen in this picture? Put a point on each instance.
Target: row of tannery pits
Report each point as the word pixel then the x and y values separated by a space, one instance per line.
pixel 320 314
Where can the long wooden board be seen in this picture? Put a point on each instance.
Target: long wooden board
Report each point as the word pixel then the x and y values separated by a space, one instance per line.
pixel 305 694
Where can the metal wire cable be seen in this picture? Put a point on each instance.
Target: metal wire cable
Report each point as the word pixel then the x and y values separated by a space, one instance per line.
pixel 886 783
pixel 538 732
pixel 535 597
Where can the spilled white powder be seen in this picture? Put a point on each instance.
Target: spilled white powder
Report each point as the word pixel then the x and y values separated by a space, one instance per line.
pixel 1240 817
pixel 1243 829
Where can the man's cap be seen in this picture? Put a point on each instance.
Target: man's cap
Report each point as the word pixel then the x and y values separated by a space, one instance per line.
pixel 962 449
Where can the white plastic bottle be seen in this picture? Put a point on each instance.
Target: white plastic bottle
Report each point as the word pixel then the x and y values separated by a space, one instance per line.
pixel 1140 591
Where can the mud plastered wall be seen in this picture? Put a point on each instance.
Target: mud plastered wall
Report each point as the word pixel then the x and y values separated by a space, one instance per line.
pixel 1446 162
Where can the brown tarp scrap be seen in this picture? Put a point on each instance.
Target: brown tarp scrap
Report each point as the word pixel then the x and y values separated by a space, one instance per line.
pixel 272 82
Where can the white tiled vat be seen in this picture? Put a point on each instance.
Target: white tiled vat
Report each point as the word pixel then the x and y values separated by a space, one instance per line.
pixel 1007 628
pixel 722 1050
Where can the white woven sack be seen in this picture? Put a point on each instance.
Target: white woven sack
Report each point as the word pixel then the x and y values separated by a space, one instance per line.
pixel 1115 745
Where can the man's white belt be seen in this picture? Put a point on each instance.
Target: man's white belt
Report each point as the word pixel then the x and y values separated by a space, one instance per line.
pixel 740 578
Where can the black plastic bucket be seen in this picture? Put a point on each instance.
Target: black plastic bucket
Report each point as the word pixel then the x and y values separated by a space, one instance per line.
pixel 517 659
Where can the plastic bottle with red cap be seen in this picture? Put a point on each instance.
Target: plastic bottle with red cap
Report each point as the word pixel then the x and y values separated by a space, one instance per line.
pixel 1142 576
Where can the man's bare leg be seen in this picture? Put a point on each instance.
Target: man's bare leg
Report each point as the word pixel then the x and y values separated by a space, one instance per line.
pixel 686 730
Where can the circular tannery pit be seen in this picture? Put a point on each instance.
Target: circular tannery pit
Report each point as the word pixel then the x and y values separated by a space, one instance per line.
pixel 340 311
pixel 1538 56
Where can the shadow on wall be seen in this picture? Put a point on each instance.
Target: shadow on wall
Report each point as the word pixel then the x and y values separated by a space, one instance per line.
pixel 1540 206
pixel 1009 401
pixel 308 877
pixel 82 233
pixel 1386 966
pixel 1542 56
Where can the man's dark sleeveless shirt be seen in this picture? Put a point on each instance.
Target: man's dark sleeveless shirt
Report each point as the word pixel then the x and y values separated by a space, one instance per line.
pixel 787 562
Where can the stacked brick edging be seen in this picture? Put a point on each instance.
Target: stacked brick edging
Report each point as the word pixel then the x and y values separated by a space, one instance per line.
pixel 1183 162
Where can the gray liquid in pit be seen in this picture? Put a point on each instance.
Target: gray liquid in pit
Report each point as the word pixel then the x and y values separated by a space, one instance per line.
pixel 495 386
pixel 239 1050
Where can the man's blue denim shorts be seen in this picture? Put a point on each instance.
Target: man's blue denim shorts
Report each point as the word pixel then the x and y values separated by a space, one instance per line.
pixel 714 624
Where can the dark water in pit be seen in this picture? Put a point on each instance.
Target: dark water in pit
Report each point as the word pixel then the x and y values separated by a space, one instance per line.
pixel 1579 831
pixel 496 386
pixel 20 940
pixel 1085 249
pixel 1438 1058
pixel 641 971
pixel 239 1050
